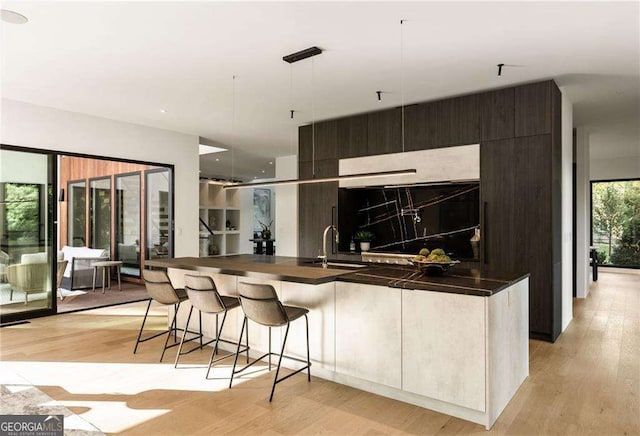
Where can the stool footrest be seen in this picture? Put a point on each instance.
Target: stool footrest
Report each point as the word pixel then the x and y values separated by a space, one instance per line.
pixel 272 354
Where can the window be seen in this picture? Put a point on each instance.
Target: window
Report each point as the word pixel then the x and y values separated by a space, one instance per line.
pixel 77 213
pixel 615 218
pixel 100 213
pixel 128 222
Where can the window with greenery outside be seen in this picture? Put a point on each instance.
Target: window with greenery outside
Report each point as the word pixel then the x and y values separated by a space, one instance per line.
pixel 616 222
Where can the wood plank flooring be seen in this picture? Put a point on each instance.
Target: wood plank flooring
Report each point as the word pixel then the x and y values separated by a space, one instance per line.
pixel 587 383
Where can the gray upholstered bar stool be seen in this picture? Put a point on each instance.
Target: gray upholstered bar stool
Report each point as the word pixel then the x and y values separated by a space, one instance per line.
pixel 160 290
pixel 203 296
pixel 260 304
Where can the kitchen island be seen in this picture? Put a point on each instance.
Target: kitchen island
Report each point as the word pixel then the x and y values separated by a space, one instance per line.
pixel 456 344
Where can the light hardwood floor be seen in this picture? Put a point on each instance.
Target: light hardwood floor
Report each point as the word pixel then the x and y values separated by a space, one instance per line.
pixel 588 382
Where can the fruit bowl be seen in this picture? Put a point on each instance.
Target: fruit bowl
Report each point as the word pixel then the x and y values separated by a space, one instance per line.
pixel 433 268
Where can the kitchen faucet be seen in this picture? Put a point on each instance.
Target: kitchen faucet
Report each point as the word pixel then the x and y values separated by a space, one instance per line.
pixel 324 244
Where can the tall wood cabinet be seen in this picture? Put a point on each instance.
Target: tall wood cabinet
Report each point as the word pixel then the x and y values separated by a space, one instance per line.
pixel 518 129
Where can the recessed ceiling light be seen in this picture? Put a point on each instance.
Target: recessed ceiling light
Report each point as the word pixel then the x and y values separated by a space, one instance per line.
pixel 255 177
pixel 217 159
pixel 263 171
pixel 13 17
pixel 270 163
pixel 163 111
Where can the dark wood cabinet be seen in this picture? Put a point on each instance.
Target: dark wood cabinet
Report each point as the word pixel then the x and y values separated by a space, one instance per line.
pixel 384 132
pixel 352 136
pixel 325 145
pixel 517 220
pixel 317 205
pixel 305 153
pixel 497 114
pixel 420 126
pixel 533 109
pixel 458 121
pixel 519 129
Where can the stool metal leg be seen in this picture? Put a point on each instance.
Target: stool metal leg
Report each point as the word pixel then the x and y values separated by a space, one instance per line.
pixel 247 340
pixel 141 327
pixel 269 348
pixel 175 331
pixel 275 379
pixel 215 347
pixel 306 319
pixel 235 361
pixel 184 334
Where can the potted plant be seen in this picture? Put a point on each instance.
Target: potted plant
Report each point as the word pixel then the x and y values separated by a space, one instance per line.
pixel 365 237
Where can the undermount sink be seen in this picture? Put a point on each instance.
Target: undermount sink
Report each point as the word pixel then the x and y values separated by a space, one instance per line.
pixel 335 264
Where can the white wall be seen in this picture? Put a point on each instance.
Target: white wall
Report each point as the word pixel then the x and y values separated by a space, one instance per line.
pixel 567 211
pixel 615 168
pixel 287 207
pixel 583 207
pixel 28 125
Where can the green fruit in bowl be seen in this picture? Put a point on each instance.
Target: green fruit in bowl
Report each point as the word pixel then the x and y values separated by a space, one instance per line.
pixel 424 252
pixel 419 258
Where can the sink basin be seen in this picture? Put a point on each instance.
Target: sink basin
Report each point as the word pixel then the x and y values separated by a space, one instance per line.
pixel 335 264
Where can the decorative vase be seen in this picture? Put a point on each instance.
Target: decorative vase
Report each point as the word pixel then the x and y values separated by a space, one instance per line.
pixel 365 246
pixel 266 234
pixel 475 243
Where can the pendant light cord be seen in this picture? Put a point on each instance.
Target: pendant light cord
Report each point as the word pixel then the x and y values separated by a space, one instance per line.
pixel 313 122
pixel 233 119
pixel 292 132
pixel 402 78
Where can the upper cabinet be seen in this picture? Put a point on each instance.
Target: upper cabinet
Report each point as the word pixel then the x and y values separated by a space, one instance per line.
pixel 458 121
pixel 384 132
pixel 420 126
pixel 318 142
pixel 533 109
pixel 497 114
pixel 352 136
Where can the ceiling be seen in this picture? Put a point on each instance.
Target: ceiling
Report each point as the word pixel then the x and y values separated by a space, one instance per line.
pixel 131 61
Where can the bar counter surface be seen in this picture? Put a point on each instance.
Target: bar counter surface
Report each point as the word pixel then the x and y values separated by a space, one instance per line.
pixel 468 279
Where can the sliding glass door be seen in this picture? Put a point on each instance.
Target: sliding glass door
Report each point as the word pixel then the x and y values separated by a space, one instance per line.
pixel 127 225
pixel 27 234
pixel 77 213
pixel 159 230
pixel 100 213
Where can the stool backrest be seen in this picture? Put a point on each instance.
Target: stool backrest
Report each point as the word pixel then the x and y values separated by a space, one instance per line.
pixel 203 294
pixel 159 287
pixel 260 304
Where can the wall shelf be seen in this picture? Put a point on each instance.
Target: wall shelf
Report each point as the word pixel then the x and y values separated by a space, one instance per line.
pixel 218 206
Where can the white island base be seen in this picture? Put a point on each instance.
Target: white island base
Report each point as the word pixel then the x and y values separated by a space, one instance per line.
pixel 461 355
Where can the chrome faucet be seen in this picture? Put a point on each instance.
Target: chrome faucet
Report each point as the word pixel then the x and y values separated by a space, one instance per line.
pixel 323 256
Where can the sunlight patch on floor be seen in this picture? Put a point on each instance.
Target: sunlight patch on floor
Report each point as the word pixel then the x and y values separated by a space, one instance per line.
pixel 111 416
pixel 122 378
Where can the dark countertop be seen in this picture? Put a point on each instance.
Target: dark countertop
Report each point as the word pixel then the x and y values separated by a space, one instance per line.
pixel 466 278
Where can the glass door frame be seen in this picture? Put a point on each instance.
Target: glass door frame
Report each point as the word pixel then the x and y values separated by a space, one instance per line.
pixel 116 211
pixel 52 221
pixel 68 199
pixel 90 224
pixel 171 211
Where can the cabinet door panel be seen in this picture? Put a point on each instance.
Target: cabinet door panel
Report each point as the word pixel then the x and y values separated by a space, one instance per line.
pixel 368 333
pixel 497 112
pixel 443 347
pixel 533 109
pixel 304 144
pixel 420 126
pixel 516 184
pixel 352 136
pixel 384 132
pixel 458 121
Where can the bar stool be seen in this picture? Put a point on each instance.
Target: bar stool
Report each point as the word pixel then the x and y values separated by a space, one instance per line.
pixel 203 295
pixel 260 304
pixel 160 289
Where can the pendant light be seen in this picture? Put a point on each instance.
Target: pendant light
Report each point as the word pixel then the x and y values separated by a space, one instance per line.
pixel 295 57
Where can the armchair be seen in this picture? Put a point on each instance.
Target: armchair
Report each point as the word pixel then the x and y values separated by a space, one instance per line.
pixel 79 271
pixel 31 275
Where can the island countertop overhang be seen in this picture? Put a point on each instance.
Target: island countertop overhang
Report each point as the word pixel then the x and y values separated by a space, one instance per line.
pixel 463 280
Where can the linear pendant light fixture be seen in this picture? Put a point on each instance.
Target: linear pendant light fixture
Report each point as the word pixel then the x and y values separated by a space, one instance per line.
pixel 295 57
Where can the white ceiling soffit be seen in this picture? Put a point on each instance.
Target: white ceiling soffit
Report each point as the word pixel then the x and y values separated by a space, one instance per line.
pixel 170 64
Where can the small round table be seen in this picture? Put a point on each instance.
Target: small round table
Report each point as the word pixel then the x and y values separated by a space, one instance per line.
pixel 106 270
